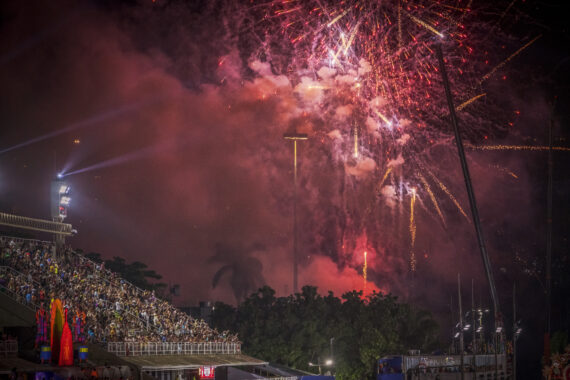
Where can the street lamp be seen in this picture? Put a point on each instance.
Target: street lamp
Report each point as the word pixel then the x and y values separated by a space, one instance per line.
pixel 295 137
pixel 327 363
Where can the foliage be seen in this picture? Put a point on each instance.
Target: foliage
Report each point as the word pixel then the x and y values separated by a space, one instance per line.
pixel 136 272
pixel 306 327
pixel 558 342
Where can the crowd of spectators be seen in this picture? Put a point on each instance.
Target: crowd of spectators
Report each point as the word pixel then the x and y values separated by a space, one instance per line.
pixel 113 309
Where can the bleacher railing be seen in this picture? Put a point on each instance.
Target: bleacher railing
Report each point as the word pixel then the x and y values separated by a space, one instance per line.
pixel 172 348
pixel 35 224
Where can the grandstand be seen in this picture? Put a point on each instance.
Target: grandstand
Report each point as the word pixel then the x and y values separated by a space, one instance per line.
pixel 120 323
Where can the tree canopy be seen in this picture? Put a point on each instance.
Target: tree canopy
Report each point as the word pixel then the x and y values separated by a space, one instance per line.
pixel 353 331
pixel 136 272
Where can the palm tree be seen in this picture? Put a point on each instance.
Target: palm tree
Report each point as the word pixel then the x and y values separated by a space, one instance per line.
pixel 244 270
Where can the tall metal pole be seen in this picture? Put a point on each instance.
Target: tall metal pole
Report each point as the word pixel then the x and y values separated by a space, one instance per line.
pixel 295 137
pixel 295 257
pixel 473 336
pixel 548 243
pixel 461 348
pixel 514 331
pixel 473 333
pixel 549 230
pixel 470 192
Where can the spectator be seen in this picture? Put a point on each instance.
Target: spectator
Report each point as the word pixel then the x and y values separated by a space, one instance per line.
pixel 114 309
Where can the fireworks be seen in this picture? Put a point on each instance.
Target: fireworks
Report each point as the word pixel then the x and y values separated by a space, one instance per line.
pixel 365 72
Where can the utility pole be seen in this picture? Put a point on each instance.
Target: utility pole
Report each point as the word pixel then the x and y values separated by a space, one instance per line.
pixel 295 137
pixel 474 343
pixel 548 243
pixel 515 327
pixel 461 349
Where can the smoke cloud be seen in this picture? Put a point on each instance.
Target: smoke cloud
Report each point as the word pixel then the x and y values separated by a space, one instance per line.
pixel 199 211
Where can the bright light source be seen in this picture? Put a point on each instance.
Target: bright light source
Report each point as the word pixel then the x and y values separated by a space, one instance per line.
pixel 467 327
pixel 65 201
pixel 456 335
pixel 64 189
pixel 479 329
pixel 329 362
pixel 499 329
pixel 60 175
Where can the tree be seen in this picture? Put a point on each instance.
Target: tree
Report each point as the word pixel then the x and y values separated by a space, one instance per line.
pixel 136 272
pixel 296 330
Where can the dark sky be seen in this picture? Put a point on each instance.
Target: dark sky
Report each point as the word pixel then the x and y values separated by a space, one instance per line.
pixel 187 170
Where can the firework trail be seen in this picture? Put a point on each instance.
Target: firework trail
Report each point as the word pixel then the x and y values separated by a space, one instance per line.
pixel 468 102
pixel 516 147
pixel 500 65
pixel 432 197
pixel 365 271
pixel 451 196
pixel 504 170
pixel 412 232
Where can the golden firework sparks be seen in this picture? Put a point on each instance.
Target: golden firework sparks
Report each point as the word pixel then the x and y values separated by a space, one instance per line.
pixel 516 147
pixel 412 232
pixel 488 75
pixel 432 197
pixel 446 191
pixel 466 103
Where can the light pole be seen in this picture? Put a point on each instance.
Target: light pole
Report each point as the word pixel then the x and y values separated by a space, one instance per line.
pixel 327 363
pixel 295 137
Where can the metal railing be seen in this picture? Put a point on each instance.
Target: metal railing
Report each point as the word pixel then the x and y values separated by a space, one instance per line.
pixel 172 348
pixel 480 363
pixel 8 348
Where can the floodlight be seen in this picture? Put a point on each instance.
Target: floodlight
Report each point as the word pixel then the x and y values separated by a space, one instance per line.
pixel 329 362
pixel 65 200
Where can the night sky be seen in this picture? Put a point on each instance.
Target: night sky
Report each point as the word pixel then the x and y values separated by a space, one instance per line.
pixel 170 126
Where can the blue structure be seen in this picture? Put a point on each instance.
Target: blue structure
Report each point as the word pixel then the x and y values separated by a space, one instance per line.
pixel 390 368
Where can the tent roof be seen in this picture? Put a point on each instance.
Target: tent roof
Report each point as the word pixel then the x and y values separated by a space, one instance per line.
pixel 177 362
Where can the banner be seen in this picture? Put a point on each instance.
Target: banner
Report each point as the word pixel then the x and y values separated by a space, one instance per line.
pixel 56 328
pixel 66 351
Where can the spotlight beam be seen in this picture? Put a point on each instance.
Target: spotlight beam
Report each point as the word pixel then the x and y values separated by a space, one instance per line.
pixel 99 118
